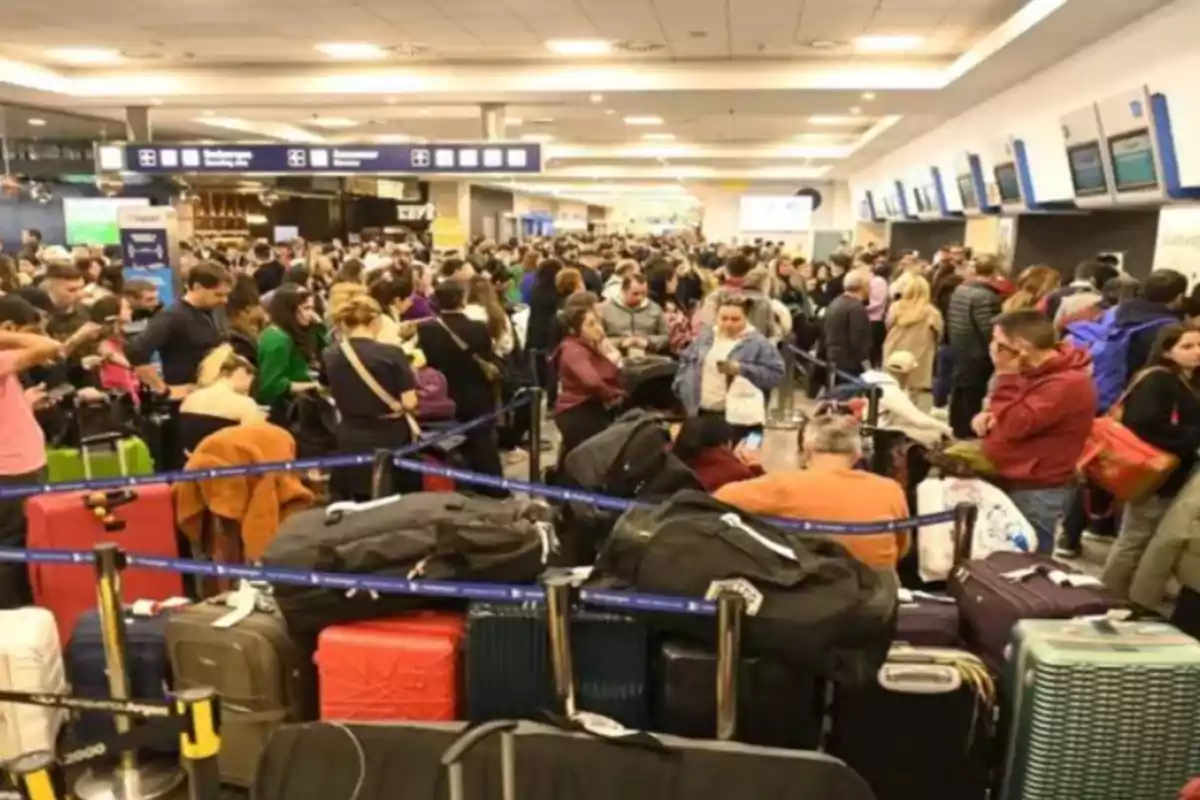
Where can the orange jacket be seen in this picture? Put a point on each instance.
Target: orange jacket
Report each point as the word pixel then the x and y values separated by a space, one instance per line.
pixel 259 503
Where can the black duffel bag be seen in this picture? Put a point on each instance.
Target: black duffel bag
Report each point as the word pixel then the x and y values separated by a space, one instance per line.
pixel 822 610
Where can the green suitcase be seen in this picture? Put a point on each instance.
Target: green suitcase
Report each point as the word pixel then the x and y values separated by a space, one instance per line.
pixel 1101 710
pixel 119 459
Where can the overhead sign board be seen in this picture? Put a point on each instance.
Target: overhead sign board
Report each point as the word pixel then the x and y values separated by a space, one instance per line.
pixel 445 158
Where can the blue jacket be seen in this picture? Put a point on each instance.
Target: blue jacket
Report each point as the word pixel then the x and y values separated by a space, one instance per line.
pixel 759 359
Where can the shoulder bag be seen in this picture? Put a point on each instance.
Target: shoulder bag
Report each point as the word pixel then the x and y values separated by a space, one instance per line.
pixel 491 372
pixel 397 408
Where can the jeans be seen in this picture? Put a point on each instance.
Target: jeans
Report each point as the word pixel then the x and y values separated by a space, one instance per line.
pixel 1138 524
pixel 1043 508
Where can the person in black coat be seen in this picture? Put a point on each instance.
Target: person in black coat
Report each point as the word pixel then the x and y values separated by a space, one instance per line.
pixel 541 336
pixel 848 328
pixel 1162 407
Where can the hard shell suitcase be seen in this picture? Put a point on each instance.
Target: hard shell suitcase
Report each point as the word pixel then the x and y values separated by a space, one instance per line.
pixel 923 730
pixel 924 621
pixel 508 672
pixel 146 520
pixel 1101 710
pixel 996 592
pixel 30 661
pixel 256 668
pixel 778 706
pixel 128 456
pixel 146 665
pixel 402 668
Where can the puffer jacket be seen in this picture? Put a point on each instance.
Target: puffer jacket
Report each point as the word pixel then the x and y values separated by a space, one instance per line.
pixel 646 321
pixel 1174 550
pixel 973 307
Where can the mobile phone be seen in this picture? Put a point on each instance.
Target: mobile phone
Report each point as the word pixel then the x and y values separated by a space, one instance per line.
pixel 753 441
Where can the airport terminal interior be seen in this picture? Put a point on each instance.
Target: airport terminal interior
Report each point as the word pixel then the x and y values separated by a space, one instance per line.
pixel 588 399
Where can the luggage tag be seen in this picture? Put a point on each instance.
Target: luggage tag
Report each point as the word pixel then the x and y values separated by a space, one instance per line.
pixel 741 586
pixel 244 602
pixel 152 608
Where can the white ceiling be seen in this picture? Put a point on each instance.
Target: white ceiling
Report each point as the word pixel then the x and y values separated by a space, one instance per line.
pixel 738 84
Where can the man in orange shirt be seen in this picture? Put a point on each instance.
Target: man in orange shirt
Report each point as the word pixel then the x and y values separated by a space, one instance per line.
pixel 829 489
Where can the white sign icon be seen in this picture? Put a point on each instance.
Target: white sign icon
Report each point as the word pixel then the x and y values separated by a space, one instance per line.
pixel 297 158
pixel 191 158
pixel 170 158
pixel 148 158
pixel 493 157
pixel 444 158
pixel 420 158
pixel 319 159
pixel 468 158
pixel 517 159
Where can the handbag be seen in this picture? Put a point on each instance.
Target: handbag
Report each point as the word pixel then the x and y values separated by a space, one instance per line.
pixel 491 372
pixel 397 408
pixel 745 403
pixel 1117 460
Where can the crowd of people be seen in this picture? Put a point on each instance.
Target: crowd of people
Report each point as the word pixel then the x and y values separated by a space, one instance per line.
pixel 356 346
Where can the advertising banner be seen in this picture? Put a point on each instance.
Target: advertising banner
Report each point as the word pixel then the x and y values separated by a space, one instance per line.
pixel 149 248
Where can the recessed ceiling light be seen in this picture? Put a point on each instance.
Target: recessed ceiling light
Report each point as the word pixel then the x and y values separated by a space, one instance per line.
pixel 422 112
pixel 352 51
pixel 888 44
pixel 823 44
pixel 596 97
pixel 643 120
pixel 579 47
pixel 541 120
pixel 85 55
pixel 868 96
pixel 37 122
pixel 515 122
pixel 822 119
pixel 659 137
pixel 610 111
pixel 855 110
pixel 334 122
pixel 536 137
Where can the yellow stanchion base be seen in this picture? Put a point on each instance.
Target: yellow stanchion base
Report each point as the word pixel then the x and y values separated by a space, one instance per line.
pixel 145 782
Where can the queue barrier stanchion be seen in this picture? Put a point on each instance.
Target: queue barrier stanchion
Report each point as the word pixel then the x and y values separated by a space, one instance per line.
pixel 537 394
pixel 965 517
pixel 558 621
pixel 731 607
pixel 128 780
pixel 879 454
pixel 381 468
pixel 200 741
pixel 37 776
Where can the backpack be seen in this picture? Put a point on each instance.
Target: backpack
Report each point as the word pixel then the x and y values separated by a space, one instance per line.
pixel 1108 343
pixel 433 396
pixel 822 610
pixel 630 458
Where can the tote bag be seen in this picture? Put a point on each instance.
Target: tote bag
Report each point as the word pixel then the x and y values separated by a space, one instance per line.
pixel 745 403
pixel 1000 527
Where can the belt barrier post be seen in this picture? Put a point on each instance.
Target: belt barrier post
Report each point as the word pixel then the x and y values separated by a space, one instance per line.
pixel 878 454
pixel 200 742
pixel 558 619
pixel 129 780
pixel 535 434
pixel 730 608
pixel 381 476
pixel 965 517
pixel 37 776
pixel 830 376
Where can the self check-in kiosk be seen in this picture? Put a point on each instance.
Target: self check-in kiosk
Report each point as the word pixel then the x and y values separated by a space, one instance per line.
pixel 900 199
pixel 1141 149
pixel 866 208
pixel 972 186
pixel 1012 178
pixel 930 195
pixel 1088 158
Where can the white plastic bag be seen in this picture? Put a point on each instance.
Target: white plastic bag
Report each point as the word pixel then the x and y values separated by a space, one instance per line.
pixel 745 403
pixel 1000 527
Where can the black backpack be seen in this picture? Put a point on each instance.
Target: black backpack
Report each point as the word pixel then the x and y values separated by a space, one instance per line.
pixel 822 611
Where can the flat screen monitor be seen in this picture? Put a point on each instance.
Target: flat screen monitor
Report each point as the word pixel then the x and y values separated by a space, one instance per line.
pixel 966 188
pixel 1087 169
pixel 775 214
pixel 284 234
pixel 93 220
pixel 1133 161
pixel 1007 184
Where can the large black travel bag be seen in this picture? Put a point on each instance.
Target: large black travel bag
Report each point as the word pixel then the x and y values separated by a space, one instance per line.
pixel 822 610
pixel 437 536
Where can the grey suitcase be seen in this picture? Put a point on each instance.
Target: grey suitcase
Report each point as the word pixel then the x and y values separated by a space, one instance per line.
pixel 1101 710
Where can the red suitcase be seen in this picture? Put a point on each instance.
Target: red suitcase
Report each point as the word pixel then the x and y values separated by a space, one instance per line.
pixel 66 522
pixel 402 668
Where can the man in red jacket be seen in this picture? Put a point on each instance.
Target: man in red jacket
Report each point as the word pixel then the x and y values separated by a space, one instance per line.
pixel 1039 419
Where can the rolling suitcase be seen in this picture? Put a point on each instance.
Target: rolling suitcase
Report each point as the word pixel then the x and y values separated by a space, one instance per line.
pixel 1101 710
pixel 778 705
pixel 30 661
pixel 402 668
pixel 996 592
pixel 253 664
pixel 141 521
pixel 927 620
pixel 121 458
pixel 508 670
pixel 923 730
pixel 145 663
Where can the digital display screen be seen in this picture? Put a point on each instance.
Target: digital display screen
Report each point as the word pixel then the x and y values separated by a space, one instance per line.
pixel 966 188
pixel 775 214
pixel 93 220
pixel 1087 169
pixel 1007 184
pixel 1133 161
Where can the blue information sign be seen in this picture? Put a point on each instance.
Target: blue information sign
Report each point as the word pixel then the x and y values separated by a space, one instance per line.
pixel 145 255
pixel 464 158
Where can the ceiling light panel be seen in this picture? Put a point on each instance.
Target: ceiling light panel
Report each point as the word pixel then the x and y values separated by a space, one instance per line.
pixel 643 120
pixel 352 51
pixel 579 47
pixel 334 122
pixel 84 55
pixel 888 44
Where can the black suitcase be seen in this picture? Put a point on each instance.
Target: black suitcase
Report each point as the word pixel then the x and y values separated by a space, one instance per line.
pixel 926 622
pixel 509 674
pixel 923 731
pixel 778 705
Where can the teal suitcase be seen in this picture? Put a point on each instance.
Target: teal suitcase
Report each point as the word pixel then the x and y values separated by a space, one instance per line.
pixel 1101 710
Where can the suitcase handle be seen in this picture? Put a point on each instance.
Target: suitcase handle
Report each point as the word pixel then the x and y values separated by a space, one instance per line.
pixel 457 751
pixel 920 678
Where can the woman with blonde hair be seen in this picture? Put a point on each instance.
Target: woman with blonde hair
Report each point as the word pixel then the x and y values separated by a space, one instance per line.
pixel 915 325
pixel 1033 285
pixel 225 380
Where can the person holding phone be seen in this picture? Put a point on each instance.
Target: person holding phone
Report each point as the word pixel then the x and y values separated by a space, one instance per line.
pixel 710 447
pixel 113 370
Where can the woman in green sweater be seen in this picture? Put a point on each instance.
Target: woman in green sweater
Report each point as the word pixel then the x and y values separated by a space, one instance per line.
pixel 288 348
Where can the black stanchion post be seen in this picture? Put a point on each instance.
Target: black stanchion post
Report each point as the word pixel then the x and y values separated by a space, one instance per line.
pixel 200 742
pixel 535 434
pixel 129 780
pixel 830 375
pixel 730 608
pixel 965 516
pixel 381 475
pixel 558 620
pixel 787 392
pixel 37 776
pixel 879 453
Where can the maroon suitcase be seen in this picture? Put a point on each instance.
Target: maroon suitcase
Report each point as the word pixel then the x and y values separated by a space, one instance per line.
pixel 928 623
pixel 991 604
